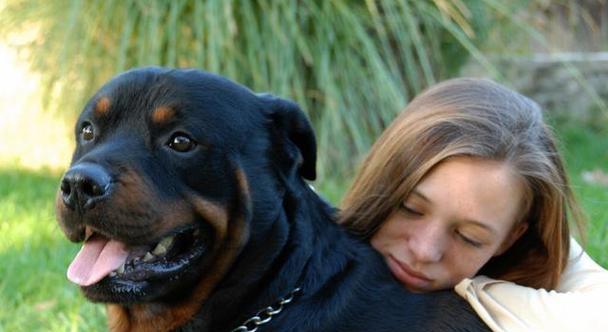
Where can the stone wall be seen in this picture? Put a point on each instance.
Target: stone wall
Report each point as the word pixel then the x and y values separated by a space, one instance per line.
pixel 566 84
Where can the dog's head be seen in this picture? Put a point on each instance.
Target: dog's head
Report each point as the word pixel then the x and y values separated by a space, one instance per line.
pixel 170 170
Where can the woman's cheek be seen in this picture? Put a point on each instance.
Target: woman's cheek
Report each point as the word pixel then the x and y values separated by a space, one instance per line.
pixel 467 264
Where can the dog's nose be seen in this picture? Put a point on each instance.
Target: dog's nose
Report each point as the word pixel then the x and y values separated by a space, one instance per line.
pixel 83 185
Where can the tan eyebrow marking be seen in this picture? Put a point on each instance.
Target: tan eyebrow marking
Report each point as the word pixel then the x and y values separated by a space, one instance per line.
pixel 102 106
pixel 162 115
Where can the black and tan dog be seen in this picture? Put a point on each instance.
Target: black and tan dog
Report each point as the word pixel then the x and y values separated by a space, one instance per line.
pixel 187 190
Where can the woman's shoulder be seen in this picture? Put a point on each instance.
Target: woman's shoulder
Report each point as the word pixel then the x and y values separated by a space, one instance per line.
pixel 582 273
pixel 574 306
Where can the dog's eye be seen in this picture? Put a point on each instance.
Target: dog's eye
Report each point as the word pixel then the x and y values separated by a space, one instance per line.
pixel 87 131
pixel 181 142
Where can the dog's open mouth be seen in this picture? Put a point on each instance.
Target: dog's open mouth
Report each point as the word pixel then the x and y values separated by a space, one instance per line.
pixel 102 257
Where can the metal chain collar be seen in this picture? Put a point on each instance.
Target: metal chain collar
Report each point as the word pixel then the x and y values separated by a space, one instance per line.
pixel 265 315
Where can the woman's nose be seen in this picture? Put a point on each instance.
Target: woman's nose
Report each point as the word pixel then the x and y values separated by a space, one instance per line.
pixel 428 244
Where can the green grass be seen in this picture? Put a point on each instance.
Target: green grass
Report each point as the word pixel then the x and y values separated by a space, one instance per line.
pixel 586 150
pixel 34 292
pixel 36 296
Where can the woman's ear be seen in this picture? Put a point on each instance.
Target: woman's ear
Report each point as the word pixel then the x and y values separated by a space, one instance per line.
pixel 517 231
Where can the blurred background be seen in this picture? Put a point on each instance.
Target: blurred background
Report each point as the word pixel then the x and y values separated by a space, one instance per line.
pixel 351 65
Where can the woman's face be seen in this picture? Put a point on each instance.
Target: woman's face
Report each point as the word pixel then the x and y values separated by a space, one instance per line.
pixel 463 212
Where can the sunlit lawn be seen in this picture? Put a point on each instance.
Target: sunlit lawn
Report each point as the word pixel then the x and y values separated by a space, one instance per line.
pixel 34 294
pixel 34 147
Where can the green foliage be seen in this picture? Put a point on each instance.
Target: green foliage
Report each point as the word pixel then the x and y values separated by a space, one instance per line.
pixel 352 65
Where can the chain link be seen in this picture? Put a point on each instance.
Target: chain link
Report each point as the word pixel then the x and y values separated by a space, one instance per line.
pixel 265 315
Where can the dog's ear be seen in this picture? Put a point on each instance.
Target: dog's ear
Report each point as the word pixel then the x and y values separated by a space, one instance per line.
pixel 294 127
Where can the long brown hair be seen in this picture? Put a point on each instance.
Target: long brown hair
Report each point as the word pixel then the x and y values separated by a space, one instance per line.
pixel 481 119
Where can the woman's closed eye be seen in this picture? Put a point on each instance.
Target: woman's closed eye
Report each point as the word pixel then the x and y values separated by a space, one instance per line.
pixel 468 240
pixel 409 210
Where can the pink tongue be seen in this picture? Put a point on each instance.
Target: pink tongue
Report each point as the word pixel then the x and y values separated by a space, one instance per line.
pixel 97 258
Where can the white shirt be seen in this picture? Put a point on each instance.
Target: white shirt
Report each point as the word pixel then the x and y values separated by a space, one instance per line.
pixel 579 303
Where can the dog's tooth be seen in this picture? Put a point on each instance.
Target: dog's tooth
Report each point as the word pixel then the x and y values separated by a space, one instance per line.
pixel 159 250
pixel 163 246
pixel 112 274
pixel 167 242
pixel 121 269
pixel 196 232
pixel 148 257
pixel 87 233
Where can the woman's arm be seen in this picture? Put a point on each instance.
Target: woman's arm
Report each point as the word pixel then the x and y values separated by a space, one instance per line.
pixel 578 303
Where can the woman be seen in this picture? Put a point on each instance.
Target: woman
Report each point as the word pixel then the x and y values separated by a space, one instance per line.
pixel 466 182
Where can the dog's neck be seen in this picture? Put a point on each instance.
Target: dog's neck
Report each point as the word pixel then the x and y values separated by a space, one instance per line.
pixel 274 262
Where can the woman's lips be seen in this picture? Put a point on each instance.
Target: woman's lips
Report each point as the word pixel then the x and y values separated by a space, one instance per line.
pixel 413 280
